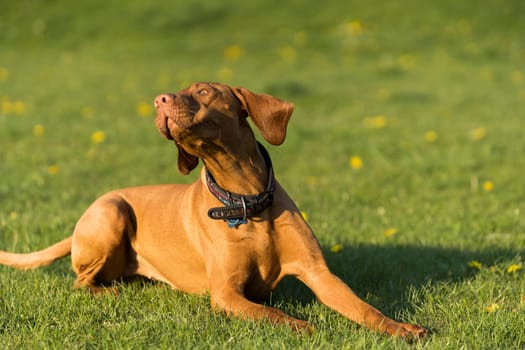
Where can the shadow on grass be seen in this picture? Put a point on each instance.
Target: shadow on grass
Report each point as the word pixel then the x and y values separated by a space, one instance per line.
pixel 384 274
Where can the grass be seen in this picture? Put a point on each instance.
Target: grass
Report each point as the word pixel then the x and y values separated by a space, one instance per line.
pixel 428 96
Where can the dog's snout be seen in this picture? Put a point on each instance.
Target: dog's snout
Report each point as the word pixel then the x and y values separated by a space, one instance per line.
pixel 164 99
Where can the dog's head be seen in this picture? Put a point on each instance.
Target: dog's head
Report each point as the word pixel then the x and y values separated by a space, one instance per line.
pixel 205 116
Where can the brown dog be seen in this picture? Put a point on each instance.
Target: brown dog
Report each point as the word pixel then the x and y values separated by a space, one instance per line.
pixel 234 232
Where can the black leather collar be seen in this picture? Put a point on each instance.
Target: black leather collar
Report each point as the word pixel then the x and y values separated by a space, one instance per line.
pixel 238 208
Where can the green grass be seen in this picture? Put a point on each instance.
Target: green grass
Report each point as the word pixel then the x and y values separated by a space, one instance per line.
pixel 450 67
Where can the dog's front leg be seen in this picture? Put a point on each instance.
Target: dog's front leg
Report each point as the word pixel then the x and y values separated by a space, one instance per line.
pixel 334 293
pixel 234 303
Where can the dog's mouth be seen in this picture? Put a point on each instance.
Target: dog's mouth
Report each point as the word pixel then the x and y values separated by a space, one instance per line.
pixel 175 120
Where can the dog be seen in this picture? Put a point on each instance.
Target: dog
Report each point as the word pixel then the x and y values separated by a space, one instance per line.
pixel 234 232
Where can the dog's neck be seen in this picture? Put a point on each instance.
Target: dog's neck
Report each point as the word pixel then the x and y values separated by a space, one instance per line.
pixel 240 170
pixel 239 207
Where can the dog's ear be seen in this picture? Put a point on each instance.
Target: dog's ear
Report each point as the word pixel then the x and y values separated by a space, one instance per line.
pixel 186 161
pixel 269 114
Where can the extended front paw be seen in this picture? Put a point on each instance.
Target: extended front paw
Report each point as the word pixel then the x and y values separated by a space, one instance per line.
pixel 301 327
pixel 406 330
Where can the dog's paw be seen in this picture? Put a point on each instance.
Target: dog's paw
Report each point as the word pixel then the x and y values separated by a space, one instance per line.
pixel 407 331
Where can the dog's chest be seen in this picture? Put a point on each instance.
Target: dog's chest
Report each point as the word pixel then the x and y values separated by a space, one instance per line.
pixel 264 268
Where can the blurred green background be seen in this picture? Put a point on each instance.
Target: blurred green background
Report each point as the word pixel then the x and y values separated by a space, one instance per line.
pixel 405 151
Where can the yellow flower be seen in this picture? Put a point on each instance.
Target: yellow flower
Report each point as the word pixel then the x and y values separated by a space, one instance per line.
pixel 389 232
pixel 232 53
pixel 38 130
pixel 356 162
pixel 478 134
pixel 488 186
pixel 475 264
pixel 7 106
pixel 4 74
pixel 225 74
pixel 431 136
pixel 378 121
pixel 13 215
pixel 513 268
pixel 98 137
pixel 354 28
pixel 52 169
pixel 304 215
pixel 288 54
pixel 492 307
pixel 19 107
pixel 336 248
pixel 311 180
pixel 144 109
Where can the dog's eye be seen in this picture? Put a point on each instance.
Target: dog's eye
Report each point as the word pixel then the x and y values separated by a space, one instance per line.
pixel 203 92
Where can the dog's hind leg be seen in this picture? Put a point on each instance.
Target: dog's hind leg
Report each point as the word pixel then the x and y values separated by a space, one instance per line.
pixel 101 251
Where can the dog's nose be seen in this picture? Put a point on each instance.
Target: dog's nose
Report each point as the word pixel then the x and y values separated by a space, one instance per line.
pixel 163 100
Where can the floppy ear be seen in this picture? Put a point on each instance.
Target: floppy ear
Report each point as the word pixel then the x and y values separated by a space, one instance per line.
pixel 269 114
pixel 186 161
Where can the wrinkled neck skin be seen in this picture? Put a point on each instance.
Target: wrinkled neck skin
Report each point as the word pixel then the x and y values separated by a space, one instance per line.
pixel 238 167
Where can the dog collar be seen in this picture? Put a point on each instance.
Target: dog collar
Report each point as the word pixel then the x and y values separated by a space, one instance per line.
pixel 238 208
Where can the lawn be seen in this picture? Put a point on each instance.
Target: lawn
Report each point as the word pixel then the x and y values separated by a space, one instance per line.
pixel 406 153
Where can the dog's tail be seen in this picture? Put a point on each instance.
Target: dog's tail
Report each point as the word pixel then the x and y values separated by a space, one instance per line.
pixel 27 261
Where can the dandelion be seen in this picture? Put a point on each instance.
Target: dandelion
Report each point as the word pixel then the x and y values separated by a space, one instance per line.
pixel 389 232
pixel 225 74
pixel 356 162
pixel 13 215
pixel 98 137
pixel 377 122
pixel 19 107
pixel 353 28
pixel 53 169
pixel 288 54
pixel 311 180
pixel 4 74
pixel 7 106
pixel 304 215
pixel 232 53
pixel 336 248
pixel 431 136
pixel 475 265
pixel 38 130
pixel 492 308
pixel 513 268
pixel 144 109
pixel 488 186
pixel 478 134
